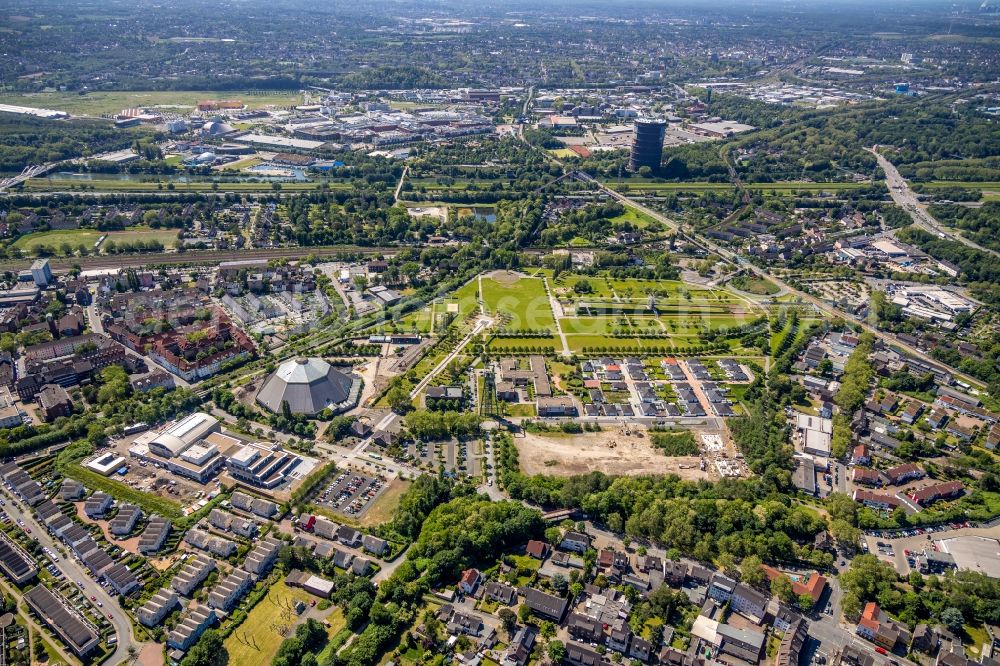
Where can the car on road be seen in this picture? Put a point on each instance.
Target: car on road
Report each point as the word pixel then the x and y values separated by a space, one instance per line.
pixel 93 598
pixel 110 616
pixel 881 650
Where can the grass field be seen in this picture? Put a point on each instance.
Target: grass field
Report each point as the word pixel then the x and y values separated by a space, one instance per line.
pixel 383 508
pixel 605 288
pixel 523 299
pixel 97 103
pixel 259 628
pixel 87 237
pixel 151 503
pixel 757 286
pixel 637 218
pixel 510 343
pixel 972 185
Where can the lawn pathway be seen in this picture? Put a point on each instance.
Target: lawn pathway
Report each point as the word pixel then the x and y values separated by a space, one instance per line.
pixel 557 314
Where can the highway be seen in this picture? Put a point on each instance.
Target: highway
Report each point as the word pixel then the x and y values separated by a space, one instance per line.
pixel 907 199
pixel 74 571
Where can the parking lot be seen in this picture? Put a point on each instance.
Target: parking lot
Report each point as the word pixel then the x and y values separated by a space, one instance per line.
pixel 459 458
pixel 892 546
pixel 351 493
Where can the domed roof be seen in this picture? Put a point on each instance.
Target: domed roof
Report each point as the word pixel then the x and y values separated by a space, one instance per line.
pixel 215 127
pixel 309 385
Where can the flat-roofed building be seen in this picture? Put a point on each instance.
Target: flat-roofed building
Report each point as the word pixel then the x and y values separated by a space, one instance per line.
pixel 106 464
pixel 58 615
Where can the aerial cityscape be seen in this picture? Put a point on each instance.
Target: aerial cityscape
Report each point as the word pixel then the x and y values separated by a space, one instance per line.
pixel 413 333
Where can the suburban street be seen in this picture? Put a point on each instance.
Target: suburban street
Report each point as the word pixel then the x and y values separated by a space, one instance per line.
pixel 74 571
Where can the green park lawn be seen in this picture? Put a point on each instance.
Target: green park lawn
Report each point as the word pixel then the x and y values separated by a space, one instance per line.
pixel 77 238
pixel 522 299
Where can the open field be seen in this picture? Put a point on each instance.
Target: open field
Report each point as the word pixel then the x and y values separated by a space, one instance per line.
pixel 523 299
pixel 968 185
pixel 510 343
pixel 609 451
pixel 87 237
pixel 384 505
pixel 97 103
pixel 605 288
pixel 259 629
pixel 149 502
pixel 634 217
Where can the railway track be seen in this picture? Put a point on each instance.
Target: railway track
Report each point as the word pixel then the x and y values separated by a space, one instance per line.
pixel 195 257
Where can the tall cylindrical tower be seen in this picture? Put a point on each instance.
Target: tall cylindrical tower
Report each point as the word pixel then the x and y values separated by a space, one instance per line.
pixel 647 148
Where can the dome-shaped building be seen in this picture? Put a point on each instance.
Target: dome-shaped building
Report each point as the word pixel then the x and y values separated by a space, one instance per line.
pixel 216 128
pixel 309 385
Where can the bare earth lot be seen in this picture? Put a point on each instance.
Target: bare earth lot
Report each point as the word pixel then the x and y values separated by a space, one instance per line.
pixel 610 452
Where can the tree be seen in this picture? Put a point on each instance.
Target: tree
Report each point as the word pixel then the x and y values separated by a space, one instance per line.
pixel 781 587
pixel 508 619
pixel 399 400
pixel 842 507
pixel 523 612
pixel 952 618
pixel 208 651
pixel 556 651
pixel 848 536
pixel 752 571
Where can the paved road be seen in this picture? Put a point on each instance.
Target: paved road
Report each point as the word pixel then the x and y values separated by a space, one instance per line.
pixel 74 571
pixel 906 199
pixel 557 314
pixel 399 187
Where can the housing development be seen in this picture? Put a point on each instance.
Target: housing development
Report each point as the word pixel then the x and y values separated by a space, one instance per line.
pixel 510 334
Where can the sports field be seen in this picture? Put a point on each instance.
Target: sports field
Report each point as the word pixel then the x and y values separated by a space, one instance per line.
pixel 77 238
